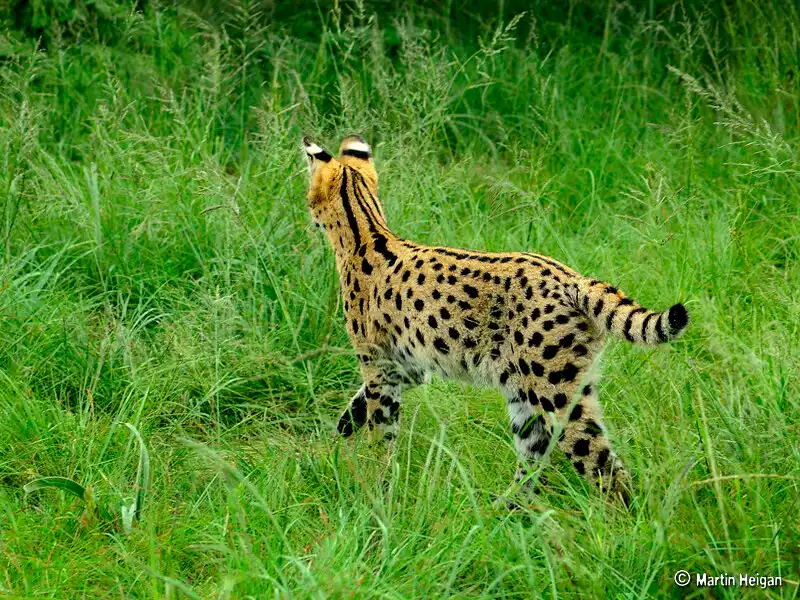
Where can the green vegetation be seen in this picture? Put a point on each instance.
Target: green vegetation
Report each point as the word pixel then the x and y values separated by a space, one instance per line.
pixel 157 269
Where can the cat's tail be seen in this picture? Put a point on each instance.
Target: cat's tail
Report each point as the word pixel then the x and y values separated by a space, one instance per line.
pixel 613 312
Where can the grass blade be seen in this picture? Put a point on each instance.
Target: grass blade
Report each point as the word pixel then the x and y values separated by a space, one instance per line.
pixel 59 483
pixel 142 473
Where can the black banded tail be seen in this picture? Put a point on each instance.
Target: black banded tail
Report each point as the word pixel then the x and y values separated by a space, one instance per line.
pixel 612 312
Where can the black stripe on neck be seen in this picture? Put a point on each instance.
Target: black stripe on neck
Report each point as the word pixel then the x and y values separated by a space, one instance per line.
pixel 378 237
pixel 374 204
pixel 348 211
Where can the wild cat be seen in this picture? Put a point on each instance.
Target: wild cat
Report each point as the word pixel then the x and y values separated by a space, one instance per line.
pixel 522 322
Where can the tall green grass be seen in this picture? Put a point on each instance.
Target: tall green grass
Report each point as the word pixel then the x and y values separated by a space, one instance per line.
pixel 157 269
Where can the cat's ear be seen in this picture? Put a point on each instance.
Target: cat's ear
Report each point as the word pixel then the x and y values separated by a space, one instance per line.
pixel 316 154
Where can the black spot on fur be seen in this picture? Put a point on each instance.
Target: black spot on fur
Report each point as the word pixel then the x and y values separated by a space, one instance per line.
pixel 581 448
pixel 356 414
pixel 366 267
pixel 569 372
pixel 471 291
pixel 550 351
pixel 602 458
pixel 441 345
pixel 528 427
pixel 593 429
pixel 567 340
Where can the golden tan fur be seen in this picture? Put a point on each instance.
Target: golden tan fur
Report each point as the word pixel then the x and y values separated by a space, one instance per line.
pixel 522 322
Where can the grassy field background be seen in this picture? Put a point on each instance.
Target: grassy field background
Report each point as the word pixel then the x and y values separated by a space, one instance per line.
pixel 157 268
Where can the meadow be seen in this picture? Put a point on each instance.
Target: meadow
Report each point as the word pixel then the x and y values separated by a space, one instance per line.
pixel 171 336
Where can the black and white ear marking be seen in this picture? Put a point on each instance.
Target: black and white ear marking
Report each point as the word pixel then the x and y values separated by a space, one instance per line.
pixel 355 146
pixel 314 151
